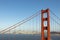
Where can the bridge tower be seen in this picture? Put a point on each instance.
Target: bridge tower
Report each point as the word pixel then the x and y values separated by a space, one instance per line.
pixel 43 26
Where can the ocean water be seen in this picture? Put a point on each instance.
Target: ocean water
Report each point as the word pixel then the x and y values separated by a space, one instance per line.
pixel 25 37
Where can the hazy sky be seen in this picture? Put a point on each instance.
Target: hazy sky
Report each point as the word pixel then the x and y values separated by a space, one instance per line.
pixel 13 11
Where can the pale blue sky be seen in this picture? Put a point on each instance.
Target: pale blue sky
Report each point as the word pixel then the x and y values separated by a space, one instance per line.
pixel 13 11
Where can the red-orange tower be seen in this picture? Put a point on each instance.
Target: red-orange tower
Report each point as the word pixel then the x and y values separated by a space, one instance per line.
pixel 43 27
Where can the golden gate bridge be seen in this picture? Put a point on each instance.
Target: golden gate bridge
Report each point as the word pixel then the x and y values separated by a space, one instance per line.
pixel 43 21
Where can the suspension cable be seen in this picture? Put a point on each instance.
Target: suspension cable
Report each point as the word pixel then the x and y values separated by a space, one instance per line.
pixel 21 22
pixel 54 20
pixel 54 14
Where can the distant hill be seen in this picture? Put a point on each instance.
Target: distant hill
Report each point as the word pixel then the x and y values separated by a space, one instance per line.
pixel 55 32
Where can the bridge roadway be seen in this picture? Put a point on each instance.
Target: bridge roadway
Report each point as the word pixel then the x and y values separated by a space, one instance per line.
pixel 28 32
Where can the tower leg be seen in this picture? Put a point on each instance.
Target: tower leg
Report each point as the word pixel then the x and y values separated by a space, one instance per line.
pixel 43 27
